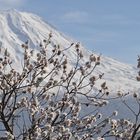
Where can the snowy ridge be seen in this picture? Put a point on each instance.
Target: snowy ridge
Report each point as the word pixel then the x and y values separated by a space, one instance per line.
pixel 17 27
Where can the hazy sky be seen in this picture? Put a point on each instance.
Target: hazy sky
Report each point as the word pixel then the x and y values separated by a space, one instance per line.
pixel 111 27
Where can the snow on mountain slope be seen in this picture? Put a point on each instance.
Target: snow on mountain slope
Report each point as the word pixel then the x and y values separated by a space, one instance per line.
pixel 17 27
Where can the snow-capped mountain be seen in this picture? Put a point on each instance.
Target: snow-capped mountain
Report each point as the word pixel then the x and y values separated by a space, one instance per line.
pixel 17 27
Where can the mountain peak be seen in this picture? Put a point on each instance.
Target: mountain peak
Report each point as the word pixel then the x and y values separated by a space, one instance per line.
pixel 17 27
pixel 12 10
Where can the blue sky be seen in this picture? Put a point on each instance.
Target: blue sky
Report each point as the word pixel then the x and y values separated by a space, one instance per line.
pixel 111 27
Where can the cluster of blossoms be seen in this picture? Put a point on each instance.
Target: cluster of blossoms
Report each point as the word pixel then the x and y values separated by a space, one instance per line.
pixel 53 100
